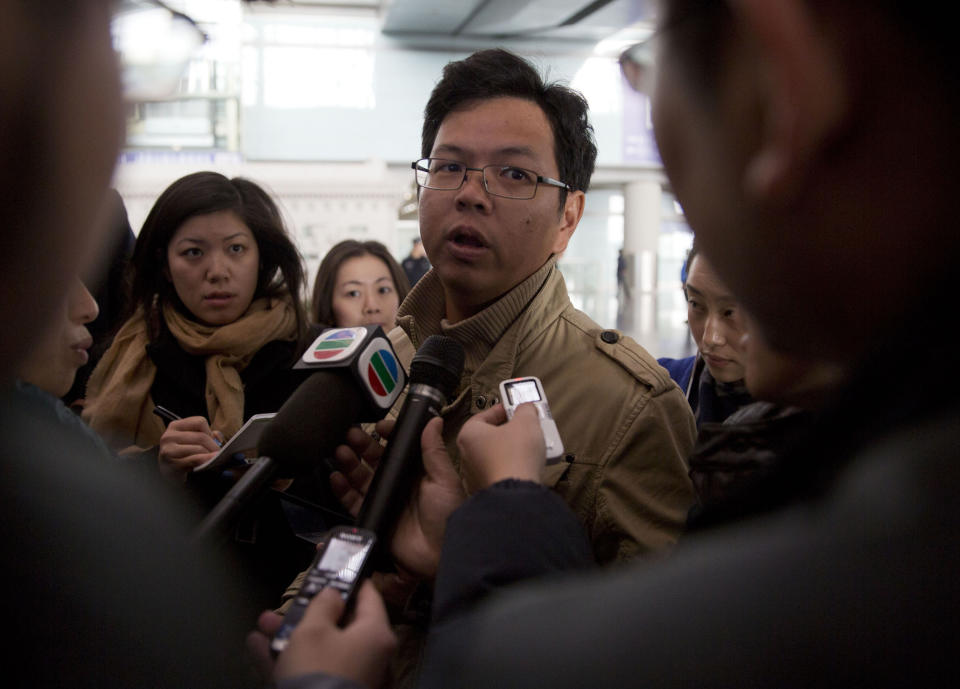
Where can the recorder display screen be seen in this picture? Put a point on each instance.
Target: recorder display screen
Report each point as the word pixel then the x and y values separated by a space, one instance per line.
pixel 344 558
pixel 524 391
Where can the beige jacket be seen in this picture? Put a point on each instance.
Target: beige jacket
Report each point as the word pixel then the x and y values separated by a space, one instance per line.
pixel 626 427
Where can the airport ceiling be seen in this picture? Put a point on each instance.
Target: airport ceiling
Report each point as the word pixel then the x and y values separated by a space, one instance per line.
pixel 438 21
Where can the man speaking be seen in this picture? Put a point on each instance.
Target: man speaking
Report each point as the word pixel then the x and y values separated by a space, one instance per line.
pixel 507 159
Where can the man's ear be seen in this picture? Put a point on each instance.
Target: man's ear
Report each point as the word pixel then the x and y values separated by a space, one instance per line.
pixel 569 219
pixel 804 92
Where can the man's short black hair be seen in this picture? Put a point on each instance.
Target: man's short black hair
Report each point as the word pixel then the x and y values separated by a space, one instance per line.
pixel 498 73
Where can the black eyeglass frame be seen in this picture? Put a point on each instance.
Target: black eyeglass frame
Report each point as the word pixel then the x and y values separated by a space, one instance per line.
pixel 539 179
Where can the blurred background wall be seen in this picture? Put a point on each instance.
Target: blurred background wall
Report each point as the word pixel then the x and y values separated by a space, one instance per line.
pixel 321 102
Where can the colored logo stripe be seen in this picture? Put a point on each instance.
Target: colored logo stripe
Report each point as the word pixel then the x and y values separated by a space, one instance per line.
pixel 382 373
pixel 334 344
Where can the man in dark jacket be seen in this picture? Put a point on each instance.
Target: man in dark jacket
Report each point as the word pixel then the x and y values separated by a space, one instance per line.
pixel 416 264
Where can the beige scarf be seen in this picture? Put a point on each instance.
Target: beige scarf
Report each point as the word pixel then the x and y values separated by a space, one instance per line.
pixel 118 403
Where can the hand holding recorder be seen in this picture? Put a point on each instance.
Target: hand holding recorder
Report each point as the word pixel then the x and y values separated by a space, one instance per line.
pixel 517 391
pixel 359 650
pixel 493 449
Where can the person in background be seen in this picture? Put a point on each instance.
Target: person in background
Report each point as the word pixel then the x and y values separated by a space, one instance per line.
pixel 416 264
pixel 736 464
pixel 52 364
pixel 623 285
pixel 358 283
pixel 216 323
pixel 49 369
pixel 712 380
pixel 109 292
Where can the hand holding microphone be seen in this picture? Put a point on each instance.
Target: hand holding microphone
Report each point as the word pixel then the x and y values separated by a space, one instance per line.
pixel 420 528
pixel 358 379
pixel 348 553
pixel 434 377
pixel 356 460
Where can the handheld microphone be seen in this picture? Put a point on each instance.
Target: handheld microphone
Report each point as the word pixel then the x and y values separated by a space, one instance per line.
pixel 358 380
pixel 434 377
pixel 348 553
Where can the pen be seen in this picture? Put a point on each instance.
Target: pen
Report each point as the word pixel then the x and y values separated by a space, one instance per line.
pixel 169 416
pixel 165 414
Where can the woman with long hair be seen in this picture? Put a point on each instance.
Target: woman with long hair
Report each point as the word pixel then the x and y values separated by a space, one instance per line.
pixel 216 321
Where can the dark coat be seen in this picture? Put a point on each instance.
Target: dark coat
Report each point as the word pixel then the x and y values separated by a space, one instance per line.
pixel 733 460
pixel 181 378
pixel 843 572
pixel 265 542
pixel 710 400
pixel 105 590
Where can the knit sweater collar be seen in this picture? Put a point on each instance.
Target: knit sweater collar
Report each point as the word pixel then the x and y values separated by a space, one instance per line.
pixel 422 314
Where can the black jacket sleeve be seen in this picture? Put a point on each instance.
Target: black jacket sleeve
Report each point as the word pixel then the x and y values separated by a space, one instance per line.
pixel 510 532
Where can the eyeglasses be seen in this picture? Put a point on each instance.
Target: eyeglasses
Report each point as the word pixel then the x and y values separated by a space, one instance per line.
pixel 506 181
pixel 155 44
pixel 636 64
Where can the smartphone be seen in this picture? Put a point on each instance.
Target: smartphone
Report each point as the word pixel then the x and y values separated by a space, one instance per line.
pixel 245 440
pixel 517 391
pixel 341 564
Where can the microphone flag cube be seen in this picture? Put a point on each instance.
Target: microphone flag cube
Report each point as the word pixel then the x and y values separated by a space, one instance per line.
pixel 367 353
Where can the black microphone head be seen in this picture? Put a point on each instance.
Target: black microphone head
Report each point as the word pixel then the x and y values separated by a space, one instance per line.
pixel 312 422
pixel 439 364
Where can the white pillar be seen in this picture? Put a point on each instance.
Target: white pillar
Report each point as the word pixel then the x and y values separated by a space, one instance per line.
pixel 641 237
